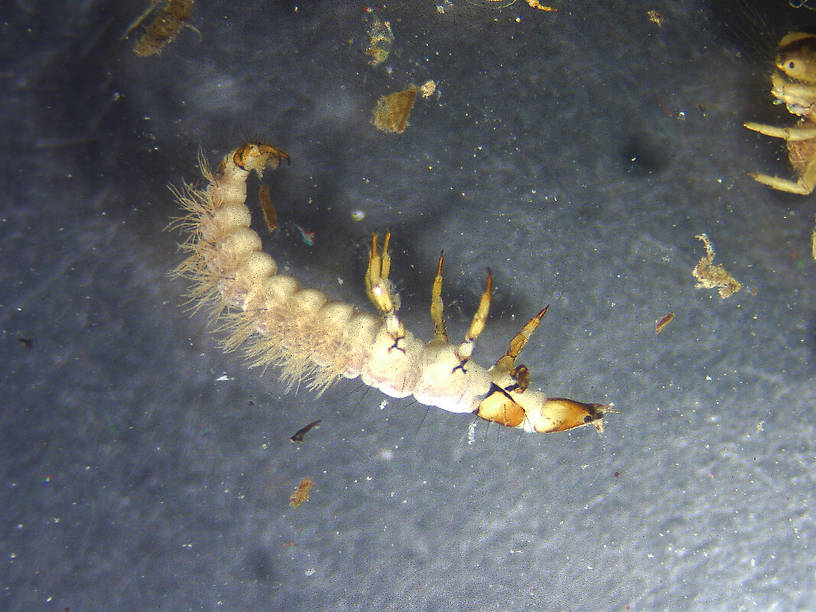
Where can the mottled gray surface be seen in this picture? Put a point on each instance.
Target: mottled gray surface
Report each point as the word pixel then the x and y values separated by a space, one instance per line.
pixel 576 153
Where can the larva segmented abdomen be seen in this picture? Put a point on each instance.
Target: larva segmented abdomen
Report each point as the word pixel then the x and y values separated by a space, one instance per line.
pixel 317 340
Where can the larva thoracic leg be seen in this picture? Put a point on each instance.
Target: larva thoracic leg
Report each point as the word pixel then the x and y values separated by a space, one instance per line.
pixel 316 340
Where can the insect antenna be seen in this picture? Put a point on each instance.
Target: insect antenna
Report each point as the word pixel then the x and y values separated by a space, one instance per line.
pixel 366 389
pixel 422 421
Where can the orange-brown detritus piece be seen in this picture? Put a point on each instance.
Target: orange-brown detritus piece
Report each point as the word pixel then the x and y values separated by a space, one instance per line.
pixel 391 114
pixel 301 494
pixel 711 276
pixel 813 243
pixel 541 7
pixel 380 39
pixel 663 322
pixel 498 4
pixel 269 212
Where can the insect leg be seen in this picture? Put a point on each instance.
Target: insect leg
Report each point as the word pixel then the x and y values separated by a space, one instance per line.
pixel 787 133
pixel 508 361
pixel 436 303
pixel 465 350
pixel 379 288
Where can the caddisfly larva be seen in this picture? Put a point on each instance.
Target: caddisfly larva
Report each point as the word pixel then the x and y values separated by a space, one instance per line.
pixel 318 341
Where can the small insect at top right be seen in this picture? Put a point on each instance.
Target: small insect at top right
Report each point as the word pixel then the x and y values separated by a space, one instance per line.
pixel 793 83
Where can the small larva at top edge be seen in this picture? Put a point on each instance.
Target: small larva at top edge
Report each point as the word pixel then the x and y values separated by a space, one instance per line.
pixel 164 28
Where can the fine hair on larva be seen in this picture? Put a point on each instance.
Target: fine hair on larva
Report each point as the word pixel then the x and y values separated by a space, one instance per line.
pixel 316 341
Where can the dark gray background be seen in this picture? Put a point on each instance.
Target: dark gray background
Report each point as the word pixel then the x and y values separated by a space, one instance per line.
pixel 575 153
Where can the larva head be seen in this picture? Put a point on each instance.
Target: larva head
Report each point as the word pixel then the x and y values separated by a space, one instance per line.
pixel 797 56
pixel 257 156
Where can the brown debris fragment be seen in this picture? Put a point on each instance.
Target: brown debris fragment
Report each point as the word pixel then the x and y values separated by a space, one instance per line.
pixel 380 39
pixel 298 436
pixel 301 494
pixel 711 276
pixel 269 213
pixel 655 17
pixel 391 114
pixel 541 7
pixel 164 28
pixel 663 322
pixel 813 243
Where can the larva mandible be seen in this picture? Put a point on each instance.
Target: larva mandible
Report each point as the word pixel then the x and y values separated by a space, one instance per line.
pixel 318 341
